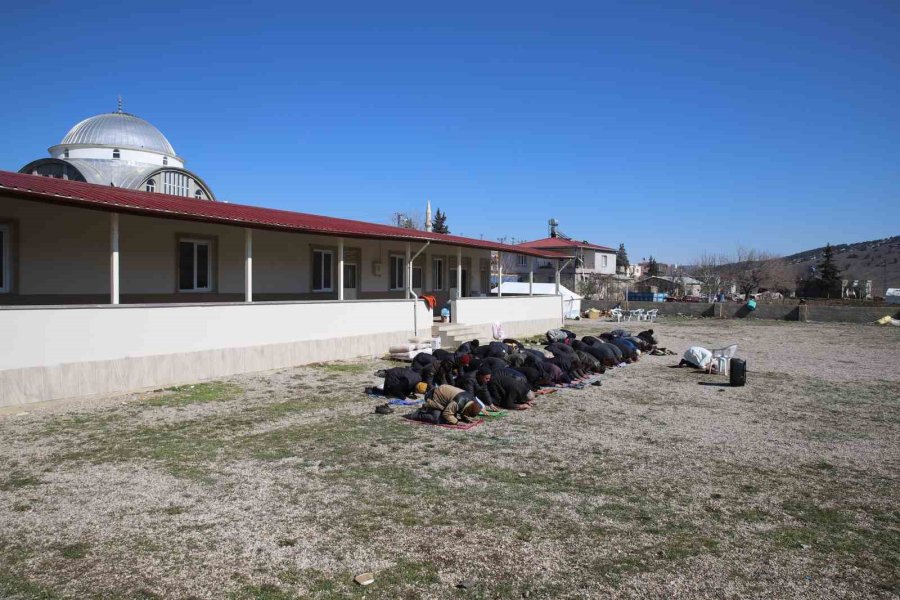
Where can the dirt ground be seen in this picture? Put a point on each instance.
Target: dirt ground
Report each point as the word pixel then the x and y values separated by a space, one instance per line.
pixel 660 483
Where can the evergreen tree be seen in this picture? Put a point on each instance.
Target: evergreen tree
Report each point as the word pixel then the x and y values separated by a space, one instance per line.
pixel 652 267
pixel 622 258
pixel 829 273
pixel 440 222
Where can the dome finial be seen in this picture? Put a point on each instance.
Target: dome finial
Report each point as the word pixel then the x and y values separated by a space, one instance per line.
pixel 120 102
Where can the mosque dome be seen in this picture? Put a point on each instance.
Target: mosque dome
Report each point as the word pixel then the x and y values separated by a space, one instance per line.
pixel 119 130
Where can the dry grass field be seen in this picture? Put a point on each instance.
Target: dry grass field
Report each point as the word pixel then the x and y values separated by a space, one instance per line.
pixel 285 485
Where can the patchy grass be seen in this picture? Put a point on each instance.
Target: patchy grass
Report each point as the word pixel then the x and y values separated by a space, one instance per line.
pixel 284 486
pixel 199 393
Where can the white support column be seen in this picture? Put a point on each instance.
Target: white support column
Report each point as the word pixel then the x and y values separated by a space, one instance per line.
pixel 557 277
pixel 248 264
pixel 459 290
pixel 408 286
pixel 340 273
pixel 113 258
pixel 531 276
pixel 499 274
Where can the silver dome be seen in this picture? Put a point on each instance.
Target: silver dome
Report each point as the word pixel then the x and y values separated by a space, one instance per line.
pixel 119 130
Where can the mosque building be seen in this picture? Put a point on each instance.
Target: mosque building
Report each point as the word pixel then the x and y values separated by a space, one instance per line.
pixel 121 150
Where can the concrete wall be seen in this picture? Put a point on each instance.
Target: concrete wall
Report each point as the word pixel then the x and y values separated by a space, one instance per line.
pixel 519 315
pixel 788 312
pixel 65 352
pixel 61 256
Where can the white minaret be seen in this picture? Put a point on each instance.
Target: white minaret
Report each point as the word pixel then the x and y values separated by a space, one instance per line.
pixel 428 215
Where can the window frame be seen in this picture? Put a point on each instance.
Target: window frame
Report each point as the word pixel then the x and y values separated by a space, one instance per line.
pixel 521 260
pixel 150 185
pixel 196 240
pixel 6 250
pixel 117 154
pixel 438 273
pixel 401 272
pixel 421 271
pixel 316 252
pixel 604 260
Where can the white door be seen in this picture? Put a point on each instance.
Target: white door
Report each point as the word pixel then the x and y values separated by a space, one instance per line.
pixel 351 281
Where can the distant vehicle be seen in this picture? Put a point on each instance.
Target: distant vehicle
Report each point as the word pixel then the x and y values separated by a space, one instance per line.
pixel 685 299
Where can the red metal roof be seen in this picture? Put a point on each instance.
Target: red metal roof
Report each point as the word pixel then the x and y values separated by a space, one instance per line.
pixel 112 199
pixel 557 242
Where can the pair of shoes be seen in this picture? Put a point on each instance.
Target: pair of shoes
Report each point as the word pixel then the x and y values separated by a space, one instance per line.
pixel 380 373
pixel 383 409
pixel 598 382
pixel 369 391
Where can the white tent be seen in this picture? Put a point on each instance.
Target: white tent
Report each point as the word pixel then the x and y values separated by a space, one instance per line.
pixel 571 300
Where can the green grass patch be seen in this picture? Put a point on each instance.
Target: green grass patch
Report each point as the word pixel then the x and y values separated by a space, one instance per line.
pixel 17 480
pixel 200 393
pixel 74 551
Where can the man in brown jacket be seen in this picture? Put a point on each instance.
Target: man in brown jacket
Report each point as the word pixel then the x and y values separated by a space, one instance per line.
pixel 449 404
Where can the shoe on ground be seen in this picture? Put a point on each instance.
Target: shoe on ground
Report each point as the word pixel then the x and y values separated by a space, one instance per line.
pixel 383 409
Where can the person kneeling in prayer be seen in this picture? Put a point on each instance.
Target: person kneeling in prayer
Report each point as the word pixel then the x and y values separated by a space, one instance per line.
pixel 447 404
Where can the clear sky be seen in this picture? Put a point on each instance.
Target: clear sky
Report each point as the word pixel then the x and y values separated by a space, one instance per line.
pixel 673 127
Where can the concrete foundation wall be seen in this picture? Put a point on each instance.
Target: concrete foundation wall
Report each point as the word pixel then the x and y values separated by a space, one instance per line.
pixel 788 312
pixel 507 310
pixel 64 352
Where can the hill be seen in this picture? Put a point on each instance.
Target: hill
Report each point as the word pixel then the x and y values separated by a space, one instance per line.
pixel 878 260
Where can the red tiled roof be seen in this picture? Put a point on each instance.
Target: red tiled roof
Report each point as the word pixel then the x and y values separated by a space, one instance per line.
pixel 112 199
pixel 552 243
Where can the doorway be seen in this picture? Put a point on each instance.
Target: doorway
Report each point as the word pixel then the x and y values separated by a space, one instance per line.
pixel 351 281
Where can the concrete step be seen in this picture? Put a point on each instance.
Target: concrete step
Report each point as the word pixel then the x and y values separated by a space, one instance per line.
pixel 454 334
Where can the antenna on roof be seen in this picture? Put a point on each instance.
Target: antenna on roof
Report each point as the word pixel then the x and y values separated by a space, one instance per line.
pixel 120 102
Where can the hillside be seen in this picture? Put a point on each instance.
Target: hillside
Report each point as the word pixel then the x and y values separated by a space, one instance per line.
pixel 876 260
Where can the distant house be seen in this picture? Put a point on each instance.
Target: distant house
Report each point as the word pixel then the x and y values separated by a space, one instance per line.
pixel 584 260
pixel 676 286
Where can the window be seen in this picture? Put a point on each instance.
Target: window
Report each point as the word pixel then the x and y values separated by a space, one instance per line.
pixel 66 153
pixel 417 278
pixel 521 260
pixel 437 274
pixel 322 270
pixel 198 194
pixel 397 275
pixel 165 160
pixel 603 260
pixel 116 153
pixel 175 183
pixel 194 265
pixel 151 185
pixel 5 274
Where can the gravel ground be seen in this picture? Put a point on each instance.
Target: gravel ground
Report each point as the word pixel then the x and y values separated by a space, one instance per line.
pixel 660 483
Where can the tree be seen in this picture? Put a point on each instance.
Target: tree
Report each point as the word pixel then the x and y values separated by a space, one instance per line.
pixel 440 222
pixel 829 273
pixel 408 220
pixel 752 270
pixel 708 271
pixel 622 258
pixel 589 288
pixel 652 267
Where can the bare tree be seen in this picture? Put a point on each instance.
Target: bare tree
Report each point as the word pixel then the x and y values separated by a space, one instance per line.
pixel 412 219
pixel 751 270
pixel 708 269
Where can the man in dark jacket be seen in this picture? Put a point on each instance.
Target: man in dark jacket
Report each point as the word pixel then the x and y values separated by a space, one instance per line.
pixel 606 357
pixel 491 362
pixel 477 384
pixel 399 383
pixel 510 393
pixel 628 349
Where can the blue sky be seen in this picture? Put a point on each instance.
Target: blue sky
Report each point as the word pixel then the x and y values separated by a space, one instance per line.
pixel 675 128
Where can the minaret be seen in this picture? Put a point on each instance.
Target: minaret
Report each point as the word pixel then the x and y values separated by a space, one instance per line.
pixel 428 216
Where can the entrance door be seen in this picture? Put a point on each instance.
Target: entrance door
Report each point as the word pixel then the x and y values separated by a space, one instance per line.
pixel 351 281
pixel 465 282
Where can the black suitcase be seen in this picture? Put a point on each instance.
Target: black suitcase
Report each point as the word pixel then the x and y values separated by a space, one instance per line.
pixel 737 372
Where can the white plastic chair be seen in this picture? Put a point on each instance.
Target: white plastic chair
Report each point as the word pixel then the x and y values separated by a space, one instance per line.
pixel 617 313
pixel 637 314
pixel 727 353
pixel 650 315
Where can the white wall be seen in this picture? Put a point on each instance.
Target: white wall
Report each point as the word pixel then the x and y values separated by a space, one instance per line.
pixel 476 311
pixel 50 353
pixel 105 153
